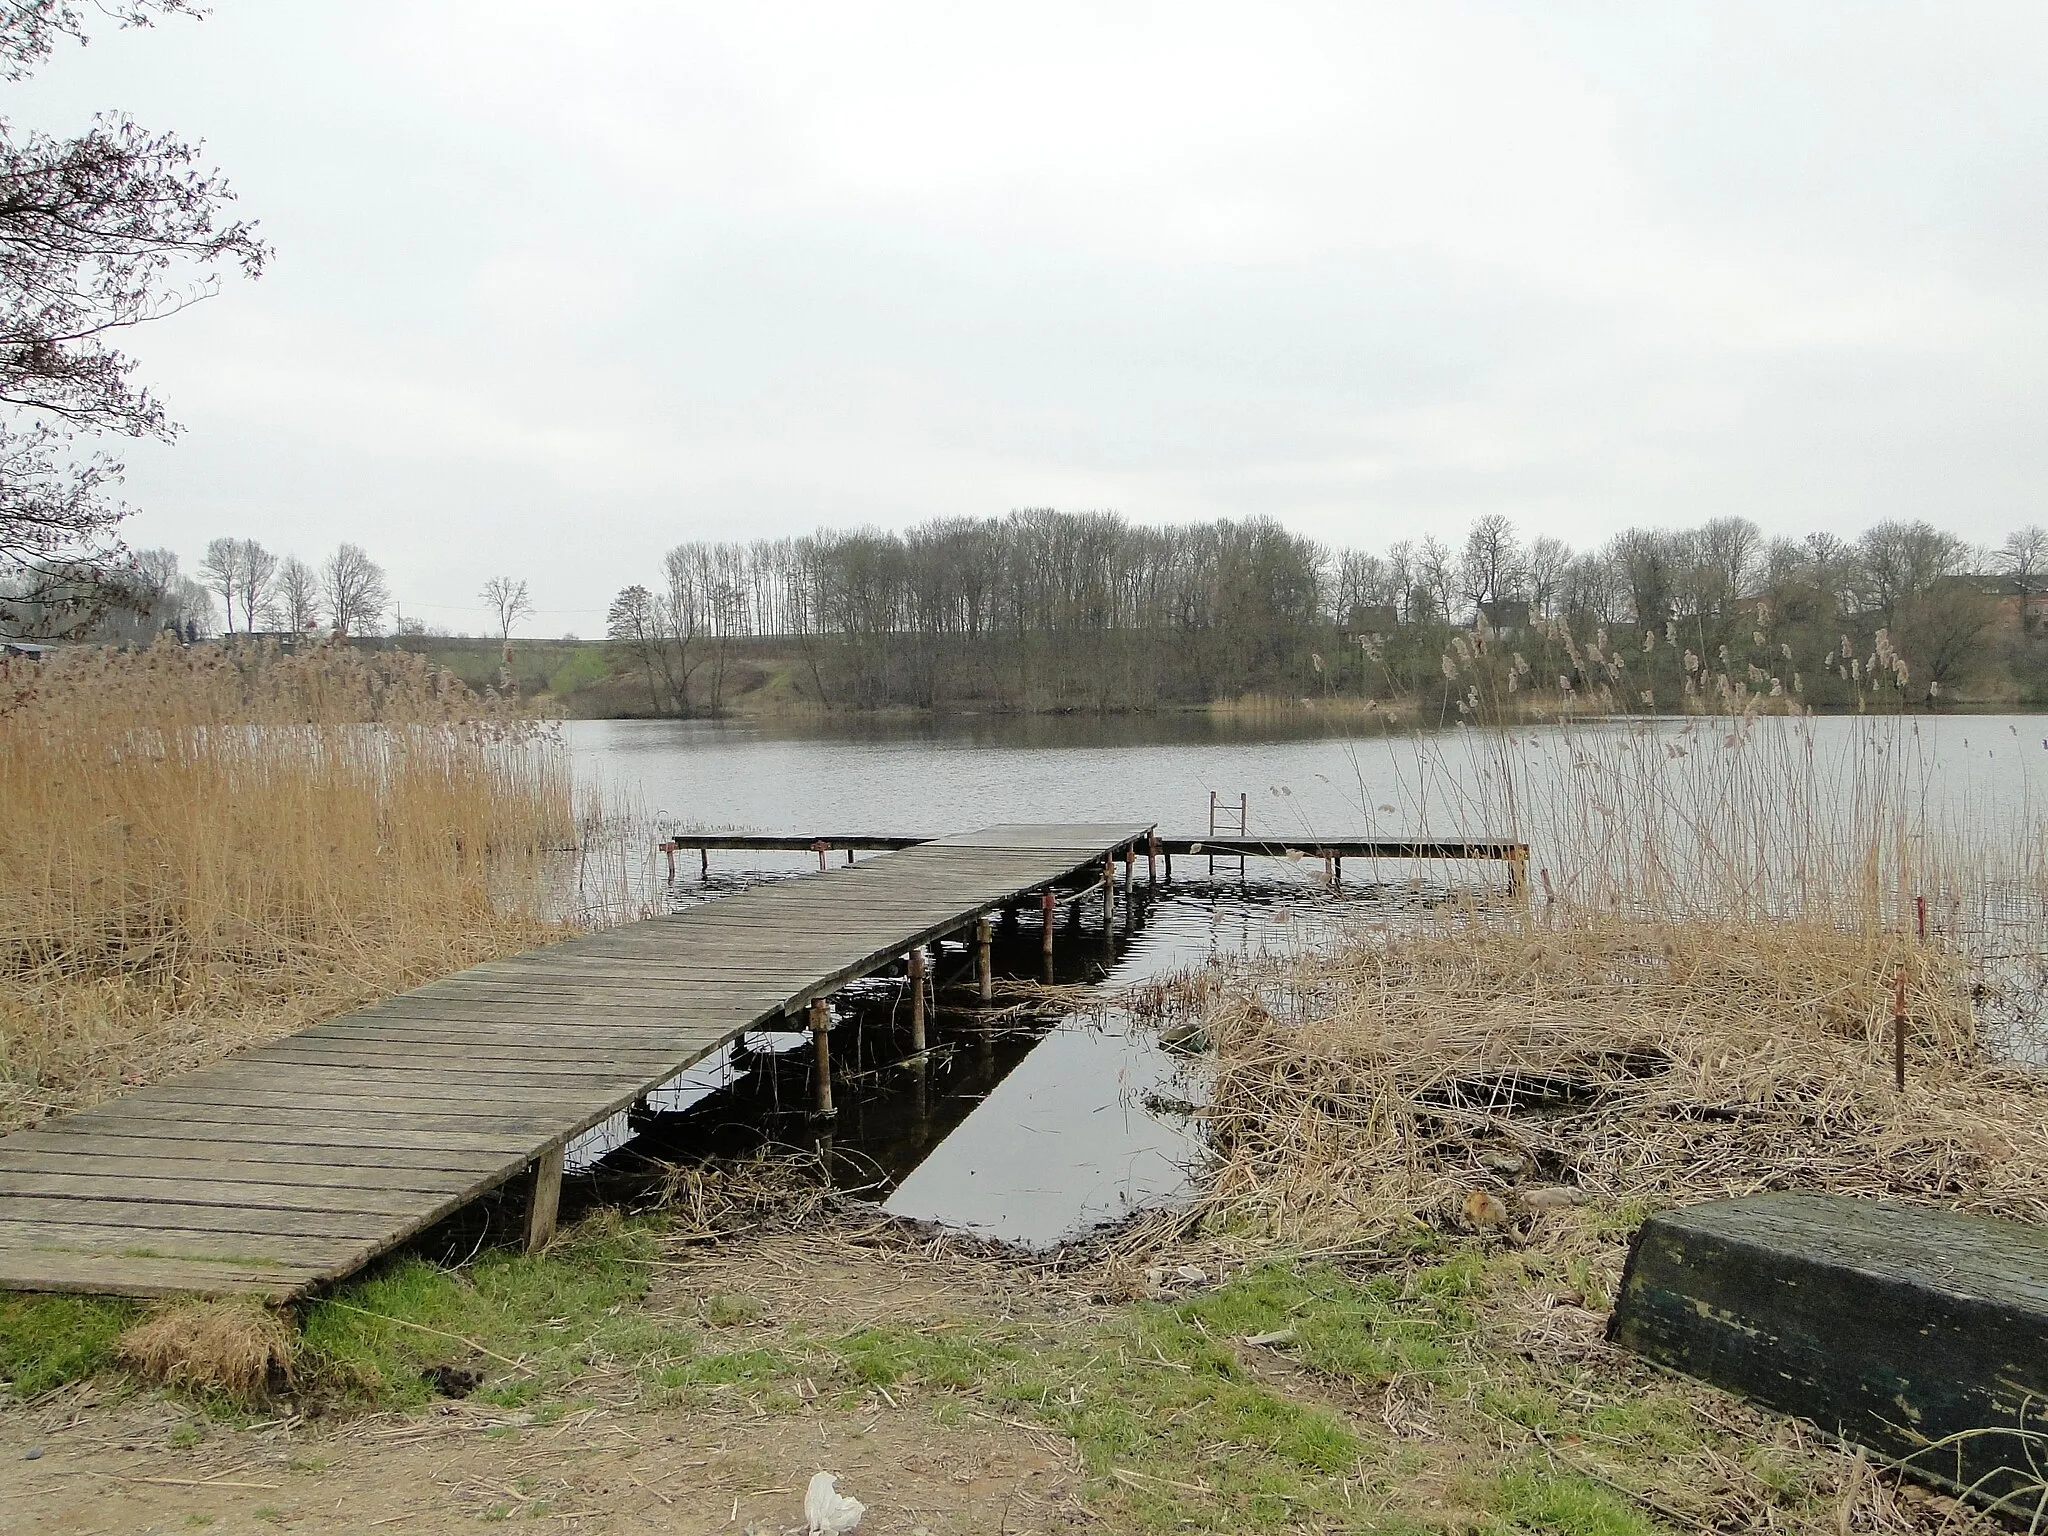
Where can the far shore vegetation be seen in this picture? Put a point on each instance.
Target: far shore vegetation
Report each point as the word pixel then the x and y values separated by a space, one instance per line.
pixel 1058 613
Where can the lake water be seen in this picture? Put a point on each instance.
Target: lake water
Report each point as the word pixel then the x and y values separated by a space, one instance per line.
pixel 1046 1125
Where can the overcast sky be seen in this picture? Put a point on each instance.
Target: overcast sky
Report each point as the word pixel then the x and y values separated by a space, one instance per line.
pixel 560 285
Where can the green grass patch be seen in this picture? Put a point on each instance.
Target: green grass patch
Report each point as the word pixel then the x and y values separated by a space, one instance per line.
pixel 586 666
pixel 1537 1498
pixel 532 1323
pixel 47 1341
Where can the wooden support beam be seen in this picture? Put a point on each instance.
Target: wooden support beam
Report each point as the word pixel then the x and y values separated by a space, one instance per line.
pixel 670 851
pixel 1108 895
pixel 1151 858
pixel 703 865
pixel 984 969
pixel 916 965
pixel 821 1046
pixel 544 1197
pixel 1047 904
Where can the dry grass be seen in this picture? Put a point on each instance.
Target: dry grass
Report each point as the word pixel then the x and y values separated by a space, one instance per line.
pixel 232 1349
pixel 204 847
pixel 1625 1059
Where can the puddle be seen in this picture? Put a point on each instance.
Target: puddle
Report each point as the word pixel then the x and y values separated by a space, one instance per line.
pixel 1027 1126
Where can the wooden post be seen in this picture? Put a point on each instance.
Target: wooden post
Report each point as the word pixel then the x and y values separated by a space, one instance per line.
pixel 1518 871
pixel 984 971
pixel 917 1000
pixel 1169 866
pixel 1151 858
pixel 669 850
pixel 819 850
pixel 703 865
pixel 1329 869
pixel 1899 1032
pixel 1049 906
pixel 1108 894
pixel 1920 911
pixel 821 1045
pixel 544 1198
pixel 849 856
pixel 1337 870
pixel 1130 868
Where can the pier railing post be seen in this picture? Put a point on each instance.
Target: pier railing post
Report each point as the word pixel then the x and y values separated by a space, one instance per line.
pixel 821 1046
pixel 544 1198
pixel 917 1000
pixel 984 970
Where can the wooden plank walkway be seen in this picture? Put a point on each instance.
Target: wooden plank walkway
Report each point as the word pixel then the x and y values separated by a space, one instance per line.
pixel 296 1163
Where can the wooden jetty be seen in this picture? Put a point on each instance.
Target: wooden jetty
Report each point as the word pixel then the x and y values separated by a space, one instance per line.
pixel 296 1163
pixel 1922 1334
pixel 1157 846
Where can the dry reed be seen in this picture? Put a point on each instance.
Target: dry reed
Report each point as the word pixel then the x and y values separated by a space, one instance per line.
pixel 204 847
pixel 234 1349
pixel 1611 1058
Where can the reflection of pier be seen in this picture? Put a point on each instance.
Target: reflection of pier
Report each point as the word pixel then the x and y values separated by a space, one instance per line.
pixel 296 1163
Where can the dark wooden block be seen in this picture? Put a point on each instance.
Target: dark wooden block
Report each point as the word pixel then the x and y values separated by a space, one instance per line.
pixel 1888 1325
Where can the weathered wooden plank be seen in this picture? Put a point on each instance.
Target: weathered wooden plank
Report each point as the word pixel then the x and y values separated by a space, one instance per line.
pixel 253 1167
pixel 304 1252
pixel 285 1136
pixel 1922 1334
pixel 129 1186
pixel 398 1076
pixel 136 1217
pixel 44 1269
pixel 297 1122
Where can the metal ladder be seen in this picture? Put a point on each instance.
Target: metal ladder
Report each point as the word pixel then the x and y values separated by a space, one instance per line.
pixel 1227 820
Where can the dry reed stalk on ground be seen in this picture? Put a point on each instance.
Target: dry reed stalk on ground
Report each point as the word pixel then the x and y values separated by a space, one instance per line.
pixel 204 847
pixel 1626 1059
pixel 234 1348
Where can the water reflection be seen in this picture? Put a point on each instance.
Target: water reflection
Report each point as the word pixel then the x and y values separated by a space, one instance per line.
pixel 1028 1124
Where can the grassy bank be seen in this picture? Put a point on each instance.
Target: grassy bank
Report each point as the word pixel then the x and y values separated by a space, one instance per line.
pixel 200 848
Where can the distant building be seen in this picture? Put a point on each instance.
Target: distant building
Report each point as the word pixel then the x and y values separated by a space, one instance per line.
pixel 2022 605
pixel 1371 619
pixel 1505 617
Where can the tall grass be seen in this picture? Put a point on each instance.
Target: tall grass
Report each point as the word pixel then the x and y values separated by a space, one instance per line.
pixel 203 847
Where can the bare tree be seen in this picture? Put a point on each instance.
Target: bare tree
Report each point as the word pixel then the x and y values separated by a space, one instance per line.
pixel 1491 567
pixel 1549 558
pixel 221 570
pixel 98 233
pixel 2024 555
pixel 295 599
pixel 509 601
pixel 637 622
pixel 255 574
pixel 355 591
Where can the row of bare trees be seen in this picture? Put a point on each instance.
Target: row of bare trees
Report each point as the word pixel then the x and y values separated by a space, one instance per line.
pixel 1040 609
pixel 346 592
pixel 1044 609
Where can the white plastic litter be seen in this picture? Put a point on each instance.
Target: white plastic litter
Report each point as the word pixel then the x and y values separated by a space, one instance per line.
pixel 829 1511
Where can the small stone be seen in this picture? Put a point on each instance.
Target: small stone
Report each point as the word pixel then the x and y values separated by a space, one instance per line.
pixel 33 1453
pixel 1552 1197
pixel 1194 1274
pixel 1483 1209
pixel 1510 1163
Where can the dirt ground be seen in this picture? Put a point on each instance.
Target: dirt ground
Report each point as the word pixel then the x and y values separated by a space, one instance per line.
pixel 103 1458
